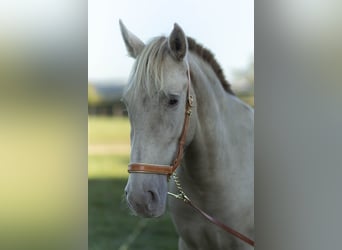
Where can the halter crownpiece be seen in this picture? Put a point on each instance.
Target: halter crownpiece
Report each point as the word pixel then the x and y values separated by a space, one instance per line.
pixel 169 169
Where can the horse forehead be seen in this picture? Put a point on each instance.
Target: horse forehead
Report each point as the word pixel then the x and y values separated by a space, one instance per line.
pixel 174 75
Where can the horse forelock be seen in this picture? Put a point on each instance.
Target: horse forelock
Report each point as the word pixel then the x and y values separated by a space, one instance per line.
pixel 147 74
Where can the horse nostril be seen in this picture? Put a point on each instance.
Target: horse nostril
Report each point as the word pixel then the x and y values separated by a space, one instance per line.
pixel 152 195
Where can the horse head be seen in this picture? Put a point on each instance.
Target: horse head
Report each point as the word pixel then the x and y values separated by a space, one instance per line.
pixel 155 98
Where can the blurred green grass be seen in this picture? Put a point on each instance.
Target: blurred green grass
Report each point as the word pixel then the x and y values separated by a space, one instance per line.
pixel 107 166
pixel 108 130
pixel 111 226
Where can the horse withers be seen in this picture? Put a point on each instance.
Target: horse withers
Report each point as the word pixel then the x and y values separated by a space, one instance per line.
pixel 217 169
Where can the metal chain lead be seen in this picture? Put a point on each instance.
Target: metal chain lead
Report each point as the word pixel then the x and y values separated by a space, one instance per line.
pixel 181 194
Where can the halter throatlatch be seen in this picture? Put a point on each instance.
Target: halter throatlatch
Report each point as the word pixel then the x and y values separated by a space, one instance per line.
pixel 169 169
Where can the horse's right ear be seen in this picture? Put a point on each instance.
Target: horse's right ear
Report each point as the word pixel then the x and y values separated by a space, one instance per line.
pixel 133 44
pixel 178 43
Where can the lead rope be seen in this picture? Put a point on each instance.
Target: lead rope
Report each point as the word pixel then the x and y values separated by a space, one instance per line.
pixel 182 196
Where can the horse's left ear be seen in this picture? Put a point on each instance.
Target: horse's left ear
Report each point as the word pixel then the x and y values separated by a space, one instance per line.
pixel 178 43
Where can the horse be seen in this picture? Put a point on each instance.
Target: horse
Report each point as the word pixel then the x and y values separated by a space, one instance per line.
pixel 216 162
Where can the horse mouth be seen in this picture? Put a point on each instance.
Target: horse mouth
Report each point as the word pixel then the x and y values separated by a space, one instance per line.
pixel 145 210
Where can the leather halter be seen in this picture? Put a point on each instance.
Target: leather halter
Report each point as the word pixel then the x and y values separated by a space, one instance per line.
pixel 169 169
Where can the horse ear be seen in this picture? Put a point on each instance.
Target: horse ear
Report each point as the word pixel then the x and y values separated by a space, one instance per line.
pixel 178 43
pixel 133 44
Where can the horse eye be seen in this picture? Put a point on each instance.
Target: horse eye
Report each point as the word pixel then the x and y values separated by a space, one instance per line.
pixel 173 101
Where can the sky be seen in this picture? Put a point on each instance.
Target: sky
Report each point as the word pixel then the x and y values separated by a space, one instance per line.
pixel 224 27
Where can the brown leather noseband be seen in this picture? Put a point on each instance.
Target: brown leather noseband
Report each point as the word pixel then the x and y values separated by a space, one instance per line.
pixel 169 169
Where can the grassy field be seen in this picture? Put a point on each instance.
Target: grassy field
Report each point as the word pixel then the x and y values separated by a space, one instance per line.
pixel 111 226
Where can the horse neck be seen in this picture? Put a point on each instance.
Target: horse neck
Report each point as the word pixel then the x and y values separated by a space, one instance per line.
pixel 223 128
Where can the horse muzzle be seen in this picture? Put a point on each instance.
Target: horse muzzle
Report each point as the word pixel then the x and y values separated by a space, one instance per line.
pixel 149 199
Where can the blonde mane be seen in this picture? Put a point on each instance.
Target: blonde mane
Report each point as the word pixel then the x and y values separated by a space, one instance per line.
pixel 147 73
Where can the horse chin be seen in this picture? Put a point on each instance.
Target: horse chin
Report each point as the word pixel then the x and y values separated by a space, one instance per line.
pixel 146 211
pixel 152 214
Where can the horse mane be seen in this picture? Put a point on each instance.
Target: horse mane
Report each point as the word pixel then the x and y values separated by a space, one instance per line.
pixel 209 57
pixel 148 67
